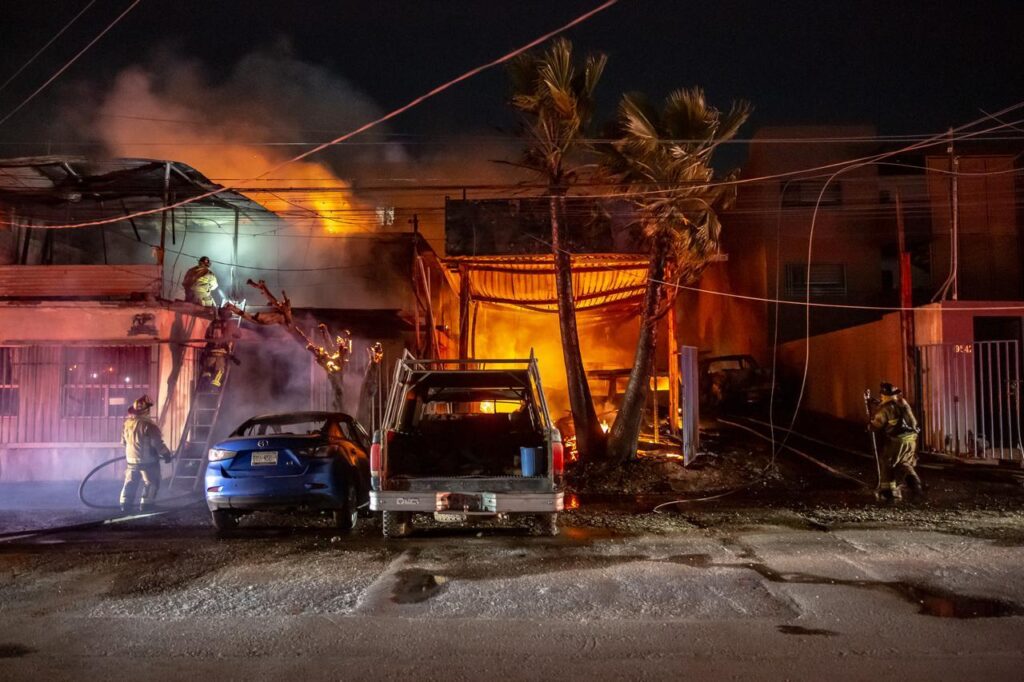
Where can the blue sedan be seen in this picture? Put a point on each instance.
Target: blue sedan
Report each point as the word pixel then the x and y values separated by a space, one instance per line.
pixel 303 461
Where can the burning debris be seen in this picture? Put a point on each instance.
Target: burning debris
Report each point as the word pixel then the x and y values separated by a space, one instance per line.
pixel 332 356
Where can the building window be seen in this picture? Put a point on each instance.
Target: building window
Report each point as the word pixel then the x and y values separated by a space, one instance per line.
pixel 103 381
pixel 8 384
pixel 806 193
pixel 827 280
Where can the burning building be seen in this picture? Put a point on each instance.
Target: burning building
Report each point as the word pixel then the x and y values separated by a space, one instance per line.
pixel 92 317
pixel 499 257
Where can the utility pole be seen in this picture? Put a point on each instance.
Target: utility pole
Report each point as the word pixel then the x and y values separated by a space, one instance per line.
pixel 906 298
pixel 954 219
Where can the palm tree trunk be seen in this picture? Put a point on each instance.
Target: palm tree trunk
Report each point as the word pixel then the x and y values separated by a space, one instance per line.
pixel 589 438
pixel 625 433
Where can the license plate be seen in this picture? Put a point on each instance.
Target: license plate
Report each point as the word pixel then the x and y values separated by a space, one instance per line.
pixel 264 458
pixel 449 517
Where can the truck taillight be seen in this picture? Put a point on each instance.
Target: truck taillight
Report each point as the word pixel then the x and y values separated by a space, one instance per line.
pixel 557 458
pixel 375 459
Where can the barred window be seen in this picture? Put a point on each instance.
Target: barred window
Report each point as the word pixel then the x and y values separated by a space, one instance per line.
pixel 8 384
pixel 102 381
pixel 827 280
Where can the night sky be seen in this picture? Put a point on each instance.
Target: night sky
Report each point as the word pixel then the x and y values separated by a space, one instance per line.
pixel 907 67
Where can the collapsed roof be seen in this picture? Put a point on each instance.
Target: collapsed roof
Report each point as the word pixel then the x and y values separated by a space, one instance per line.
pixel 45 188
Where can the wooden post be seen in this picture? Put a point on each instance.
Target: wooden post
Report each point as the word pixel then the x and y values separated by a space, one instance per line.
pixel 235 293
pixel 673 370
pixel 464 304
pixel 163 226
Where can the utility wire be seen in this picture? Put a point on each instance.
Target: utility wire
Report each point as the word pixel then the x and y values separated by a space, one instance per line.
pixel 71 61
pixel 366 126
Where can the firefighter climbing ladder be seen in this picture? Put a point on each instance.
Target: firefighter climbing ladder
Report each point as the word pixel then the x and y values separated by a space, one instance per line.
pixel 197 436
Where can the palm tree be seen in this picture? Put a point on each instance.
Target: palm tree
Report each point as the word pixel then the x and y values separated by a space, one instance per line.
pixel 556 99
pixel 661 158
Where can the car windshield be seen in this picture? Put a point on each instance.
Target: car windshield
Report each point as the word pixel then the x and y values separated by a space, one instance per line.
pixel 297 426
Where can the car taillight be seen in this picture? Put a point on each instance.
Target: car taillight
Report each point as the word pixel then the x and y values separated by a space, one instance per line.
pixel 557 458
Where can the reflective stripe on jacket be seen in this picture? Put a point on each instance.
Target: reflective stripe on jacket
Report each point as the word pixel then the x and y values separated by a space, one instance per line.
pixel 142 440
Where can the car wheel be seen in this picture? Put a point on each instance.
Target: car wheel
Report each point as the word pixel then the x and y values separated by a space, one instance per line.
pixel 395 524
pixel 546 524
pixel 224 521
pixel 347 517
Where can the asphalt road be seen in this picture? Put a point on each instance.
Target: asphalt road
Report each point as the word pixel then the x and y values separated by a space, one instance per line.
pixel 776 594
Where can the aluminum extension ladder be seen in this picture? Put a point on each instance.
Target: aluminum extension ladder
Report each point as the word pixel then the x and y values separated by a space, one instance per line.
pixel 190 458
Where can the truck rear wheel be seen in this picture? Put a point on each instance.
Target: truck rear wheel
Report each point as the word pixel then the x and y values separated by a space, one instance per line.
pixel 546 524
pixel 395 524
pixel 347 517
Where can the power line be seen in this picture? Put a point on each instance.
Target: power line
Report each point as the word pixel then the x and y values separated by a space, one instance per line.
pixel 71 61
pixel 48 43
pixel 366 126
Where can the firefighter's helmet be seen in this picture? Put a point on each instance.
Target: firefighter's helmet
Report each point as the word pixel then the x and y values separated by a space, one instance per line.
pixel 888 389
pixel 141 405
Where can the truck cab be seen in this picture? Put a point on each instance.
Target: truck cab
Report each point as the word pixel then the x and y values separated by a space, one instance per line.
pixel 464 441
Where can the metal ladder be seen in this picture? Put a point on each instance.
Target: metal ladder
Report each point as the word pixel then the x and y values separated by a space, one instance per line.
pixel 197 436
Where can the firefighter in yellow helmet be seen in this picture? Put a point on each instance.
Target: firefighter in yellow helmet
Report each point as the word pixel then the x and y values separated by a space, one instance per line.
pixel 896 421
pixel 143 449
pixel 217 351
pixel 200 283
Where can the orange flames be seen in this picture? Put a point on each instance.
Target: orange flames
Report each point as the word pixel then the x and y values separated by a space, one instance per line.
pixel 135 121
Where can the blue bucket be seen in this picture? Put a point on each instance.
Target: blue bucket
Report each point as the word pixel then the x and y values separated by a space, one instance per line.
pixel 528 461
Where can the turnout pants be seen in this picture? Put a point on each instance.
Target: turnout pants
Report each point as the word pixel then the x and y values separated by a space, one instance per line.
pixel 149 475
pixel 898 461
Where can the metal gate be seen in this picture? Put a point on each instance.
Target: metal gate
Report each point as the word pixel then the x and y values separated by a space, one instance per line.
pixel 969 397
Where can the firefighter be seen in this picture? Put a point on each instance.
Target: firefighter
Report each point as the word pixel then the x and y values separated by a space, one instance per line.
pixel 200 283
pixel 896 420
pixel 217 352
pixel 143 449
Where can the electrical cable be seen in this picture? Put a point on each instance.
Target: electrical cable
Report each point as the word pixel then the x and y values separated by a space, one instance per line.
pixel 71 61
pixel 48 43
pixel 342 138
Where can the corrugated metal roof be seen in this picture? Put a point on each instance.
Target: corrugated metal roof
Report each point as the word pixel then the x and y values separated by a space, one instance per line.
pixel 78 281
pixel 529 281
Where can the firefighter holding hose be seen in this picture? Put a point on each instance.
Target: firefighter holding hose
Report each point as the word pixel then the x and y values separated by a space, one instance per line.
pixel 143 449
pixel 896 421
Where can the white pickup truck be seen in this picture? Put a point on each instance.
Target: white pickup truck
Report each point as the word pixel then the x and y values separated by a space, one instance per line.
pixel 467 440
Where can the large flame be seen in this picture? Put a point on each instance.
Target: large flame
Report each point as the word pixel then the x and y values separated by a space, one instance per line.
pixel 135 121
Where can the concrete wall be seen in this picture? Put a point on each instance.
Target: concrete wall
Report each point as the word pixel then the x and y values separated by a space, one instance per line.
pixel 843 363
pixel 40 443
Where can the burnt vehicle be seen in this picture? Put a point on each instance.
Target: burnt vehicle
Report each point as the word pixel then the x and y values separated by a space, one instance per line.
pixel 608 387
pixel 466 441
pixel 733 382
pixel 297 462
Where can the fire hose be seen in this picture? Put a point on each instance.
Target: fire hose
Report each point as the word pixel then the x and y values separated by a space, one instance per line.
pixel 98 523
pixel 763 474
pixel 96 469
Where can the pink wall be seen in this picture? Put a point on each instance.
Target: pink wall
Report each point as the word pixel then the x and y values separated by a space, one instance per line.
pixel 843 364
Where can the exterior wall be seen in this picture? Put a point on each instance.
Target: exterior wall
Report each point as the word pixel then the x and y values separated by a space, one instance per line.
pixel 989 237
pixel 953 321
pixel 46 440
pixel 723 325
pixel 843 363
